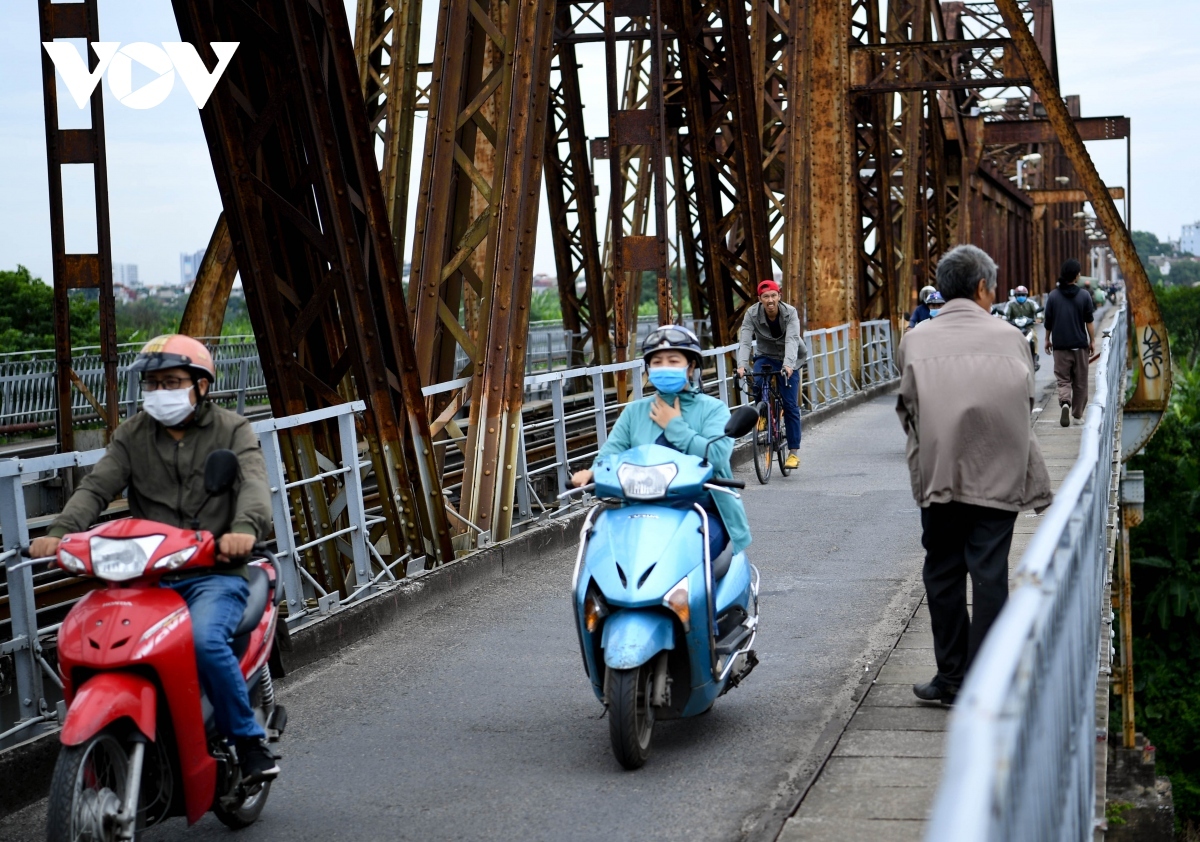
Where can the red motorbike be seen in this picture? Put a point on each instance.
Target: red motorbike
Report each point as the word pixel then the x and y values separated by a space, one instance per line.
pixel 139 743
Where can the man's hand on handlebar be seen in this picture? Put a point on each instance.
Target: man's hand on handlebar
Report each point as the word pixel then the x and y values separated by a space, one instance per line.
pixel 234 545
pixel 741 371
pixel 44 547
pixel 787 372
pixel 581 478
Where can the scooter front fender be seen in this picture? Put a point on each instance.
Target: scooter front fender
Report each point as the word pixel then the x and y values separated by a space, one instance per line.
pixel 632 637
pixel 107 697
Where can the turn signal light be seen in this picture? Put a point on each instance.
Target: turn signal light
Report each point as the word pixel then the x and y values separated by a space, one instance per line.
pixel 594 610
pixel 677 599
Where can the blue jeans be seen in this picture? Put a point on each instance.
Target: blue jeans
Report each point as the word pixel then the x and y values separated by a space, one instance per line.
pixel 216 603
pixel 789 391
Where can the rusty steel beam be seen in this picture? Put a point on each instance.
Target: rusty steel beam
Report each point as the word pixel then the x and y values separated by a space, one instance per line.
pixel 827 134
pixel 933 65
pixel 723 125
pixel 1068 196
pixel 77 272
pixel 292 153
pixel 390 29
pixel 204 314
pixel 1041 131
pixel 476 223
pixel 570 195
pixel 1152 389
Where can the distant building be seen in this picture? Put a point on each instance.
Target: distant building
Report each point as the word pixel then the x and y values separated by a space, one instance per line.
pixel 544 282
pixel 189 265
pixel 125 273
pixel 1189 242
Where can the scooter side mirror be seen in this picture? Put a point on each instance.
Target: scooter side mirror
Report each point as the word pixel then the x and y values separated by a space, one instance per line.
pixel 741 421
pixel 220 471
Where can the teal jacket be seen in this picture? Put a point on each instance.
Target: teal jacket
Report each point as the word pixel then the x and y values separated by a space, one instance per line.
pixel 703 418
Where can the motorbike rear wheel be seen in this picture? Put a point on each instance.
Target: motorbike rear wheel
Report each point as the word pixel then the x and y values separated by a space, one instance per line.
pixel 87 790
pixel 630 716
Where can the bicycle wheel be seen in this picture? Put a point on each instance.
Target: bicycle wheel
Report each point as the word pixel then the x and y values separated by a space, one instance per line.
pixel 781 444
pixel 764 451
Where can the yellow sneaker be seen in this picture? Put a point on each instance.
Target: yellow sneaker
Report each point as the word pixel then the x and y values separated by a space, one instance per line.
pixel 762 424
pixel 793 462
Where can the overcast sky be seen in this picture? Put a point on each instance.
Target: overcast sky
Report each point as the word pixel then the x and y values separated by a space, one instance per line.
pixel 1140 60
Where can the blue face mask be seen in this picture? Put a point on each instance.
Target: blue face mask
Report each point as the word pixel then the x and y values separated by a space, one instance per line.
pixel 933 313
pixel 669 380
pixel 1021 299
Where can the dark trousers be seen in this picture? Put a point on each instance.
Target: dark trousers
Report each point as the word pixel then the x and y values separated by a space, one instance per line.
pixel 960 539
pixel 789 391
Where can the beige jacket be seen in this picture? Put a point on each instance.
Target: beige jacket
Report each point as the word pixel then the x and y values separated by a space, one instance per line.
pixel 966 392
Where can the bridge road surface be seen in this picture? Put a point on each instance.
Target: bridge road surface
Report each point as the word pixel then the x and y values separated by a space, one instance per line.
pixel 475 721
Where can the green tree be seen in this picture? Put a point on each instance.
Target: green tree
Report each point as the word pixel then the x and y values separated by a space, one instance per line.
pixel 1166 573
pixel 27 314
pixel 1183 273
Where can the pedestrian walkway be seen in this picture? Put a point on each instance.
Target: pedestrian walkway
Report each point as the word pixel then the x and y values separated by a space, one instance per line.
pixel 879 782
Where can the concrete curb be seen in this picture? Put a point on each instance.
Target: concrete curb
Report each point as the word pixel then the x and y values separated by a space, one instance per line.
pixel 25 769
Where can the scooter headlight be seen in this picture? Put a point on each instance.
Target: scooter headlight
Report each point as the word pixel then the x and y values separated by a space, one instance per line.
pixel 595 609
pixel 678 600
pixel 121 559
pixel 646 482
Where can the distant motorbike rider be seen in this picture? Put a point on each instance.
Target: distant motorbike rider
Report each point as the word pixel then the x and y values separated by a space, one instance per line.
pixel 158 455
pixel 1022 306
pixel 775 327
pixel 681 417
pixel 921 313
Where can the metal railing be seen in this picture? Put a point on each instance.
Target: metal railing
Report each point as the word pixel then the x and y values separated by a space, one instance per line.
pixel 28 399
pixel 1020 752
pixel 583 410
pixel 335 487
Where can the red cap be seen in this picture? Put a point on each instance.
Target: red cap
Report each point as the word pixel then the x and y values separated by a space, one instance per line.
pixel 767 285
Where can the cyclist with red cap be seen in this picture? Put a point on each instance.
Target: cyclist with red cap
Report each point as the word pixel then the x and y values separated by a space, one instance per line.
pixel 774 327
pixel 156 458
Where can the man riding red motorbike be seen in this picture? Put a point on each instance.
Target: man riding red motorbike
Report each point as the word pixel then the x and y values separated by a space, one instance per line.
pixel 159 456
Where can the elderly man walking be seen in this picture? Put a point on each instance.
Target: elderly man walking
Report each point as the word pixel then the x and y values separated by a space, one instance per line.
pixel 966 394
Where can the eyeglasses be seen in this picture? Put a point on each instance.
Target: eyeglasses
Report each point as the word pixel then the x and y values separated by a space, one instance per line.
pixel 168 383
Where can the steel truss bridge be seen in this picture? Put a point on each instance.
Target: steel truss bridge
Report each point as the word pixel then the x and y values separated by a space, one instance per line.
pixel 842 145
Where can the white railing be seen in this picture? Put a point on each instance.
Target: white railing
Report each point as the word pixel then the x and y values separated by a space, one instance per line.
pixel 1020 752
pixel 28 399
pixel 330 485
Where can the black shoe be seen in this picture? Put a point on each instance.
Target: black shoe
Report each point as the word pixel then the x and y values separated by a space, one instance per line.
pixel 258 764
pixel 1064 417
pixel 936 691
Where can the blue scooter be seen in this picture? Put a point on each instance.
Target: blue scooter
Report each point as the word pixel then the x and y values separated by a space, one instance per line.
pixel 664 627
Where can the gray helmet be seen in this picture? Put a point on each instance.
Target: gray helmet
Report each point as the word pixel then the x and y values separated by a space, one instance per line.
pixel 675 337
pixel 923 295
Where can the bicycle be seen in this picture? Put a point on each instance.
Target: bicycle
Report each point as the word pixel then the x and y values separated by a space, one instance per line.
pixel 770 438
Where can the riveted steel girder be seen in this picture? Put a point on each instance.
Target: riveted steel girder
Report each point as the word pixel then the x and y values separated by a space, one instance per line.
pixel 292 152
pixel 472 262
pixel 726 144
pixel 78 272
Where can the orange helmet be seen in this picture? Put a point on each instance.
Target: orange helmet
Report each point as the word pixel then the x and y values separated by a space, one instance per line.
pixel 174 350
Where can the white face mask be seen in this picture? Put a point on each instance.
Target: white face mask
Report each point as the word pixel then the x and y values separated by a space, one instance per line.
pixel 169 407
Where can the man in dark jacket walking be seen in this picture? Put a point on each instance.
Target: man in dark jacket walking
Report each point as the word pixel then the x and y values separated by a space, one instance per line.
pixel 1071 336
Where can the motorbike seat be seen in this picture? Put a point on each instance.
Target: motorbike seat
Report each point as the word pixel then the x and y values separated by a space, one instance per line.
pixel 720 564
pixel 256 602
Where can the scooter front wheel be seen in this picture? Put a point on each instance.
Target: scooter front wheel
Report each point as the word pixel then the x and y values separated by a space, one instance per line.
pixel 87 790
pixel 630 716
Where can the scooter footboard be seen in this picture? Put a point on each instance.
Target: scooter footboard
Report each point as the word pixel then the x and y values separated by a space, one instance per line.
pixel 632 637
pixel 104 699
